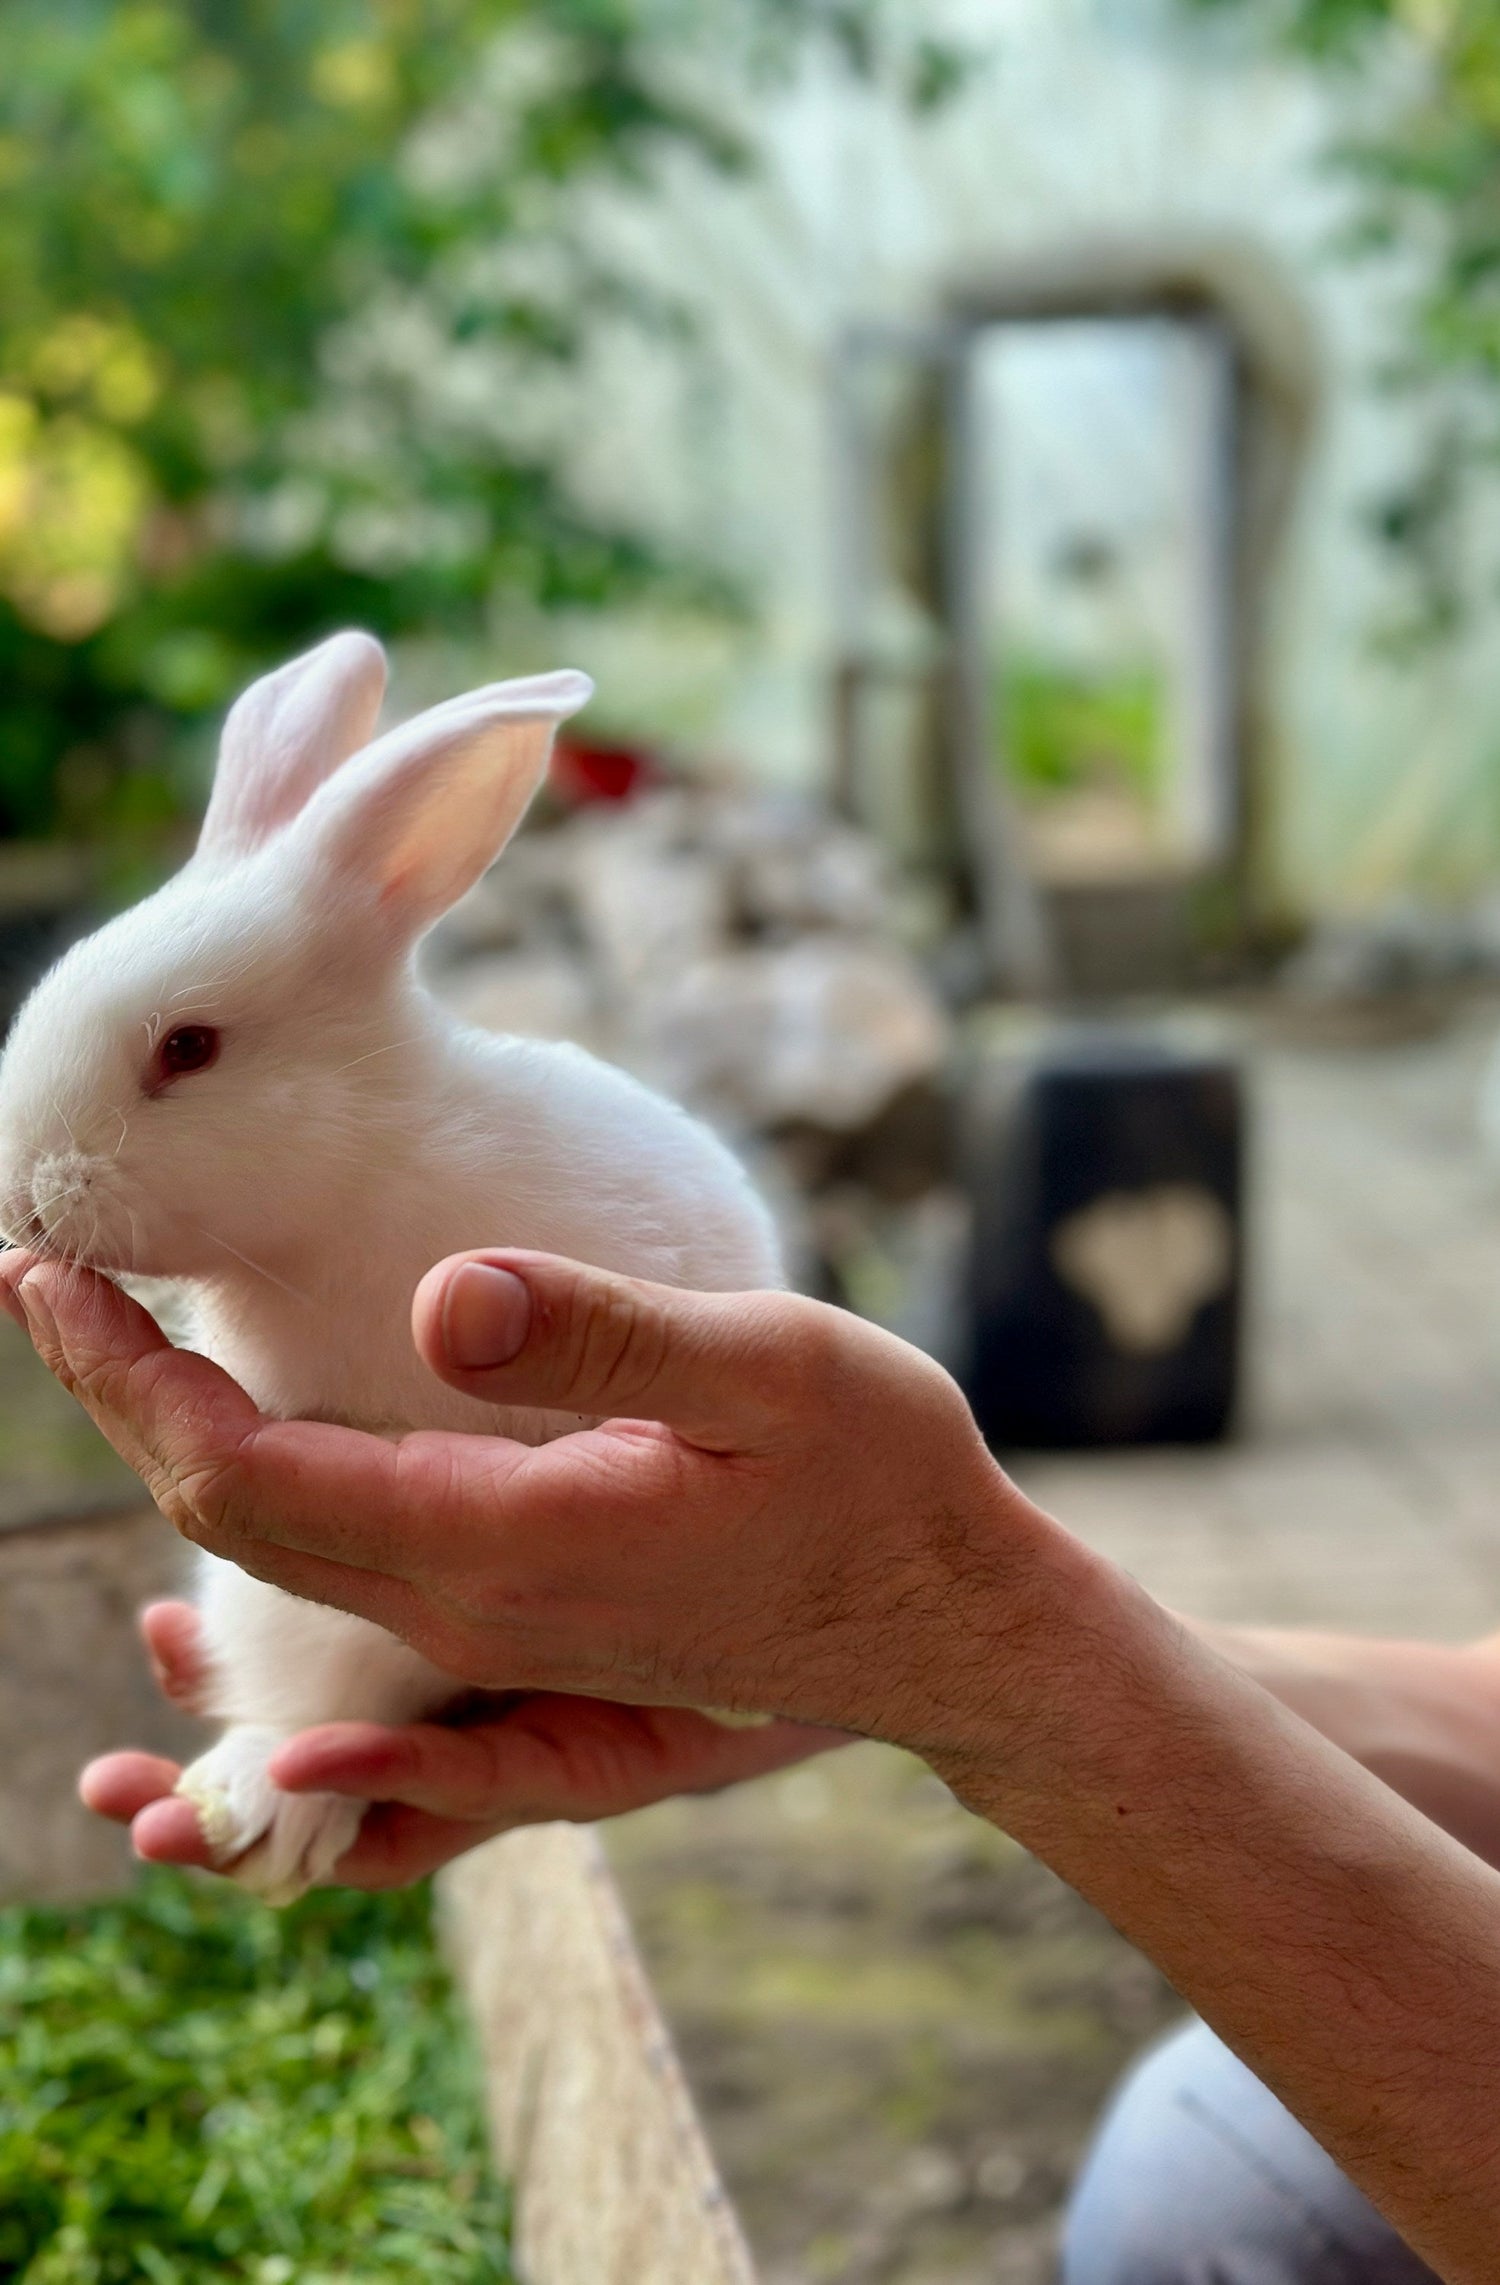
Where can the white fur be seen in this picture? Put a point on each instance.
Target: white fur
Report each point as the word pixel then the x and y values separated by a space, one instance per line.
pixel 349 1135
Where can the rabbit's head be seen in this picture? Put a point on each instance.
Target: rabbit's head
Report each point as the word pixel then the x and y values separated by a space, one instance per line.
pixel 200 1077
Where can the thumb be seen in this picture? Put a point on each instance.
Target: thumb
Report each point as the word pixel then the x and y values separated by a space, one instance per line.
pixel 533 1329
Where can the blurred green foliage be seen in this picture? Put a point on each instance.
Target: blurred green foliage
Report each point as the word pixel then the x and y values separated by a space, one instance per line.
pixel 1328 28
pixel 1064 729
pixel 271 278
pixel 194 2087
pixel 1423 145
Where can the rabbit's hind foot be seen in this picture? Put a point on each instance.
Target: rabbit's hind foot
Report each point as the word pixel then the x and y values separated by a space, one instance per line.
pixel 277 1845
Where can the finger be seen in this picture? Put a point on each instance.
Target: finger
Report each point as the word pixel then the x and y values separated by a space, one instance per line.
pixel 173 1635
pixel 407 1528
pixel 396 1845
pixel 168 1832
pixel 228 1479
pixel 184 1425
pixel 527 1328
pixel 195 1437
pixel 120 1785
pixel 549 1756
pixel 170 1413
pixel 367 1594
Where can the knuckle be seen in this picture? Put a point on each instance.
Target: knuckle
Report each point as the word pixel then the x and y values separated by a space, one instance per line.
pixel 499 1614
pixel 805 1348
pixel 487 1779
pixel 97 1382
pixel 205 1494
pixel 409 1758
pixel 430 1477
pixel 619 1341
pixel 171 1503
pixel 824 1361
pixel 486 1603
pixel 445 1642
pixel 203 1498
pixel 83 1361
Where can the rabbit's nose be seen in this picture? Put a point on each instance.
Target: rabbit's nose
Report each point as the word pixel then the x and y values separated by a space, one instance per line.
pixel 73 1213
pixel 57 1184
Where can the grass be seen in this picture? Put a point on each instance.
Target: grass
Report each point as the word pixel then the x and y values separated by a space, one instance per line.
pixel 193 2087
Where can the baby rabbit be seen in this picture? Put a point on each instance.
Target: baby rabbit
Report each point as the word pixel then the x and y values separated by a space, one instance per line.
pixel 242 1086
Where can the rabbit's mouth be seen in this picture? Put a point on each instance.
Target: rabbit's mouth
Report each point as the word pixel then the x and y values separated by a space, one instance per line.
pixel 20 1223
pixel 28 1233
pixel 107 1259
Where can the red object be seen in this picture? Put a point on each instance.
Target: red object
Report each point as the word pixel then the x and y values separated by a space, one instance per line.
pixel 583 774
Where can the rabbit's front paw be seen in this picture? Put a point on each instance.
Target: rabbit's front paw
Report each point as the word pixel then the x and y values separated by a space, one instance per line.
pixel 275 1844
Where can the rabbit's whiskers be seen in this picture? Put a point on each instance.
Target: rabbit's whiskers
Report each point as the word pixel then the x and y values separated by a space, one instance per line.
pixel 215 983
pixel 41 1206
pixel 371 1052
pixel 195 991
pixel 259 1268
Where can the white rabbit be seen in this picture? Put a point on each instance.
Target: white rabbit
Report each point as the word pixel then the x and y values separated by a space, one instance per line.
pixel 241 1085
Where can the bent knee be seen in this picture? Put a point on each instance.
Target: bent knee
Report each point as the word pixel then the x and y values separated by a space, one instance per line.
pixel 1198 2176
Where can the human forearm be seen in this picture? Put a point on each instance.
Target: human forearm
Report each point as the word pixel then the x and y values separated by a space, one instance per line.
pixel 1423 1717
pixel 1339 1943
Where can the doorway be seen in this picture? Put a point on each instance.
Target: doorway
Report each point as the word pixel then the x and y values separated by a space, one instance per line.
pixel 1057 513
pixel 1102 453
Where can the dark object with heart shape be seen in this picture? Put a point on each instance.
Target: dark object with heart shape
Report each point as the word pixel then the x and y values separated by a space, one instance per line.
pixel 1106 1279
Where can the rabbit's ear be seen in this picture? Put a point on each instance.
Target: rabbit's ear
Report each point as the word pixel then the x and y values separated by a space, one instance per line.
pixel 285 734
pixel 420 814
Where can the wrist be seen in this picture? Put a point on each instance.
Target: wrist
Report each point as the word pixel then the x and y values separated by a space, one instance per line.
pixel 1019 1619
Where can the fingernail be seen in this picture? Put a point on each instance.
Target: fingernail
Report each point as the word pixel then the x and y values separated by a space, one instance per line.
pixel 486 1317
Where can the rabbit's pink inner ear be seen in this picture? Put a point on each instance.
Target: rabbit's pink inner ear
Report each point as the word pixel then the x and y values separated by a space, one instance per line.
pixel 286 734
pixel 418 817
pixel 439 825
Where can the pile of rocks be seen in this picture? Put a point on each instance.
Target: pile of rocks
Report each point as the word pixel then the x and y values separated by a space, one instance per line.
pixel 1406 946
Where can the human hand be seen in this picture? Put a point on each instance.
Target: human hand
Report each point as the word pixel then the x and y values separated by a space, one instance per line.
pixel 784 1509
pixel 438 1788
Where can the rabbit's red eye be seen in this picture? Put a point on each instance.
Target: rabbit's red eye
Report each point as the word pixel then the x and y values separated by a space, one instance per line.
pixel 192 1047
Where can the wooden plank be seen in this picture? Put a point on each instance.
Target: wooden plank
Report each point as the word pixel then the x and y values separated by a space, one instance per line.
pixel 593 2122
